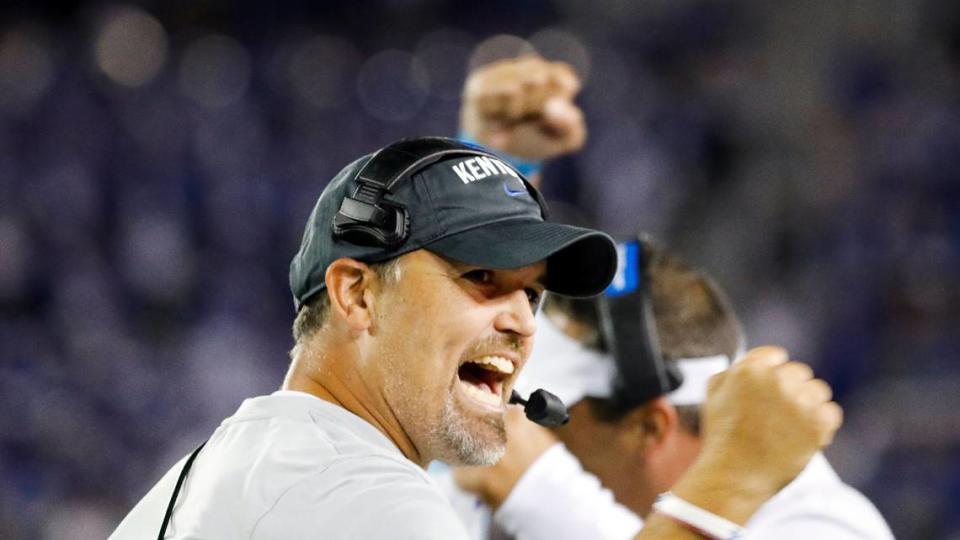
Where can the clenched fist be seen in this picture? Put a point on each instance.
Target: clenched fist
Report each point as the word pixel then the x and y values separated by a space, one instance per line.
pixel 764 419
pixel 524 107
pixel 770 413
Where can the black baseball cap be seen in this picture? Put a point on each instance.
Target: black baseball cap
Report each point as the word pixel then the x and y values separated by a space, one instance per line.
pixel 463 203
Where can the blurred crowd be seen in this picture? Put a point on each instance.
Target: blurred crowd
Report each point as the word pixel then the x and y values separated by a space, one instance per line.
pixel 157 164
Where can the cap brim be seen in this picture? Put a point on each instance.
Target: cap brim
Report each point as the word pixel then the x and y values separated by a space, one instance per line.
pixel 580 262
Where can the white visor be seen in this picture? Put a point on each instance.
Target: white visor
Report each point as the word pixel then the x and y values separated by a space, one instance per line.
pixel 568 369
pixel 696 374
pixel 565 367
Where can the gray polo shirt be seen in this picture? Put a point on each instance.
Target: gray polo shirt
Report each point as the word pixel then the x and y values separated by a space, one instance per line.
pixel 290 465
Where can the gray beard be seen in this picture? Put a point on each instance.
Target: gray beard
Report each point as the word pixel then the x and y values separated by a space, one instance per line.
pixel 466 447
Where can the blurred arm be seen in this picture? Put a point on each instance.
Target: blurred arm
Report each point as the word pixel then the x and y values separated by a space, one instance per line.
pixel 556 498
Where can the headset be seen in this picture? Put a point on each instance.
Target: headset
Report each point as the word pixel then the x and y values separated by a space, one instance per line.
pixel 369 217
pixel 629 329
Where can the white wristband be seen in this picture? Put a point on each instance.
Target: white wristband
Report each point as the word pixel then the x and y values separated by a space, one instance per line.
pixel 698 519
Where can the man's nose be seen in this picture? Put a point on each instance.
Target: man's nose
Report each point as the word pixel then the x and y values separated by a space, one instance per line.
pixel 517 315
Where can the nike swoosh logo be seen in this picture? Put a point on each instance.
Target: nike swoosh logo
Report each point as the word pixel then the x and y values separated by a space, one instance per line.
pixel 513 192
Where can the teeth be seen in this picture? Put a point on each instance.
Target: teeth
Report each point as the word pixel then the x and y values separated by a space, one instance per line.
pixel 483 395
pixel 495 363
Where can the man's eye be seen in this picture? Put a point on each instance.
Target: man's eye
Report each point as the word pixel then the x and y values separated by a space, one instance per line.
pixel 534 296
pixel 481 276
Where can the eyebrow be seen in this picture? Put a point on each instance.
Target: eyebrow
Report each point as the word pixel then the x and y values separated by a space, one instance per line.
pixel 540 280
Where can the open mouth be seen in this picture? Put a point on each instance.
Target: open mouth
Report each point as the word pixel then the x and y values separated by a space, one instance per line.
pixel 482 379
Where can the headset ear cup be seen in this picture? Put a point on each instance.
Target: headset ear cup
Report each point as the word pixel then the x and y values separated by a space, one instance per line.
pixel 390 229
pixel 404 217
pixel 350 226
pixel 358 234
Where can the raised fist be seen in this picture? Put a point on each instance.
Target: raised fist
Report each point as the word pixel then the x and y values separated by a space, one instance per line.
pixel 766 417
pixel 524 107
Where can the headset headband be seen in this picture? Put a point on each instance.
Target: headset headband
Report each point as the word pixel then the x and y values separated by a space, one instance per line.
pixel 630 331
pixel 368 217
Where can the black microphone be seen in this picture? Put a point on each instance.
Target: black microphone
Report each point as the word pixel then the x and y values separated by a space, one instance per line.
pixel 543 408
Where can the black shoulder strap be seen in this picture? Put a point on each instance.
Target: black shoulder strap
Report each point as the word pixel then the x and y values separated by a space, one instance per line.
pixel 176 490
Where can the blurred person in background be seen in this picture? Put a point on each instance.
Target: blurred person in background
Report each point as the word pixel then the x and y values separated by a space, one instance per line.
pixel 555 484
pixel 636 445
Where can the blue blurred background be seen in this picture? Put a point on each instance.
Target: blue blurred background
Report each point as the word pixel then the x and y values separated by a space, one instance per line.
pixel 158 162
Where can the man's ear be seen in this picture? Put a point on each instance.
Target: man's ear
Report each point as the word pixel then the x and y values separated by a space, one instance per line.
pixel 349 283
pixel 651 424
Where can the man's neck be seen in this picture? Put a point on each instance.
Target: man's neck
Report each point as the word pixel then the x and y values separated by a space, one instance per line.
pixel 328 385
